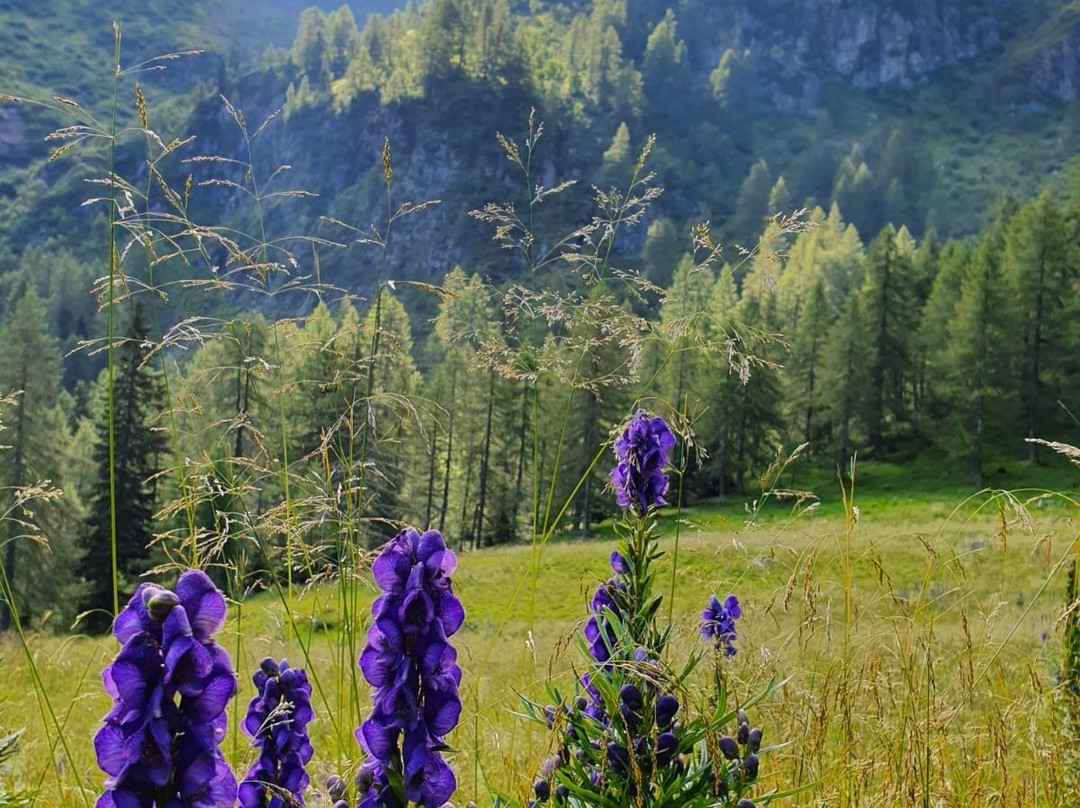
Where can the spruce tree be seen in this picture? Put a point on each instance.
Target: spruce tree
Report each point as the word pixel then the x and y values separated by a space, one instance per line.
pixel 138 448
pixel 890 316
pixel 845 376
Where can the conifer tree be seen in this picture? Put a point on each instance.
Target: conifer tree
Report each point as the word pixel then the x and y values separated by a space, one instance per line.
pixel 36 434
pixel 716 429
pixel 931 340
pixel 890 316
pixel 751 207
pixel 978 348
pixel 137 451
pixel 803 370
pixel 1040 275
pixel 779 198
pixel 845 375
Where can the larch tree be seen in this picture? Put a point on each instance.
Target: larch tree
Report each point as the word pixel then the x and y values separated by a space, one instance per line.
pixel 1037 268
pixel 39 573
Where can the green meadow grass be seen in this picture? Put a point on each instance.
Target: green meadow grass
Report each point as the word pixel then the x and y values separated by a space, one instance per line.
pixel 913 637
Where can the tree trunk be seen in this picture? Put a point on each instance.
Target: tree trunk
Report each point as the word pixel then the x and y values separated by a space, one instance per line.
pixel 449 451
pixel 484 463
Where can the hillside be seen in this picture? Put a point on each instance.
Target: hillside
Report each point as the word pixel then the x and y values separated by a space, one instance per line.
pixel 919 113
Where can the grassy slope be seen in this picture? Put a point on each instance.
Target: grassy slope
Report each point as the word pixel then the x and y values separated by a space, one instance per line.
pixel 925 578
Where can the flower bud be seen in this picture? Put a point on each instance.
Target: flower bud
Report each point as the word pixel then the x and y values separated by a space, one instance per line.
pixel 755 739
pixel 742 735
pixel 743 719
pixel 364 779
pixel 561 792
pixel 335 787
pixel 666 708
pixel 542 789
pixel 341 804
pixel 269 666
pixel 619 563
pixel 666 744
pixel 729 748
pixel 618 757
pixel 549 766
pixel 745 804
pixel 630 695
pixel 750 766
pixel 159 602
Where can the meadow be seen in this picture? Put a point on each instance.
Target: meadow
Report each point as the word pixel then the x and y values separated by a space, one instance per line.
pixel 254 421
pixel 921 636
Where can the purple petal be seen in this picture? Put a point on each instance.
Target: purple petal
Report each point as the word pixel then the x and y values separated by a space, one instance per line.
pixel 109 747
pixel 134 618
pixel 732 606
pixel 204 604
pixel 441 711
pixel 211 703
pixel 451 613
pixel 377 740
pixel 392 566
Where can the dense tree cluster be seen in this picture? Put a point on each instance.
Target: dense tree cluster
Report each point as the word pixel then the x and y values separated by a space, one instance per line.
pixel 610 72
pixel 889 348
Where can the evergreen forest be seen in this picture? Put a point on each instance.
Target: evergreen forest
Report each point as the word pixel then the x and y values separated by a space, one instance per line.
pixel 471 235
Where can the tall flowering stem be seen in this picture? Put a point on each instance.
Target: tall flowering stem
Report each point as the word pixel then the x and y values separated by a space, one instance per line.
pixel 630 736
pixel 642 450
pixel 170 685
pixel 414 671
pixel 277 719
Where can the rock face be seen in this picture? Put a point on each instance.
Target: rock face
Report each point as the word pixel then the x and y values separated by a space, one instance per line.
pixel 1056 67
pixel 877 44
pixel 797 45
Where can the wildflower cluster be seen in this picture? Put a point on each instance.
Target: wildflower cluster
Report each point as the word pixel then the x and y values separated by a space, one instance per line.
pixel 170 684
pixel 642 450
pixel 277 719
pixel 414 671
pixel 629 736
pixel 718 622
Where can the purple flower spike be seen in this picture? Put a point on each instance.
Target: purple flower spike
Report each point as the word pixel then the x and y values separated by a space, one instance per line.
pixel 414 672
pixel 642 450
pixel 718 622
pixel 170 685
pixel 277 719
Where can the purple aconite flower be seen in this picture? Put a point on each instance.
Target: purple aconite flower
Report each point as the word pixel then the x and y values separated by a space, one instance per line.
pixel 170 684
pixel 642 449
pixel 718 622
pixel 277 719
pixel 414 671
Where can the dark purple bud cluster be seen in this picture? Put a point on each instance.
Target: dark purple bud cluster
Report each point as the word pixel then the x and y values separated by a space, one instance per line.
pixel 718 623
pixel 610 595
pixel 741 753
pixel 633 739
pixel 170 685
pixel 277 719
pixel 642 449
pixel 415 674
